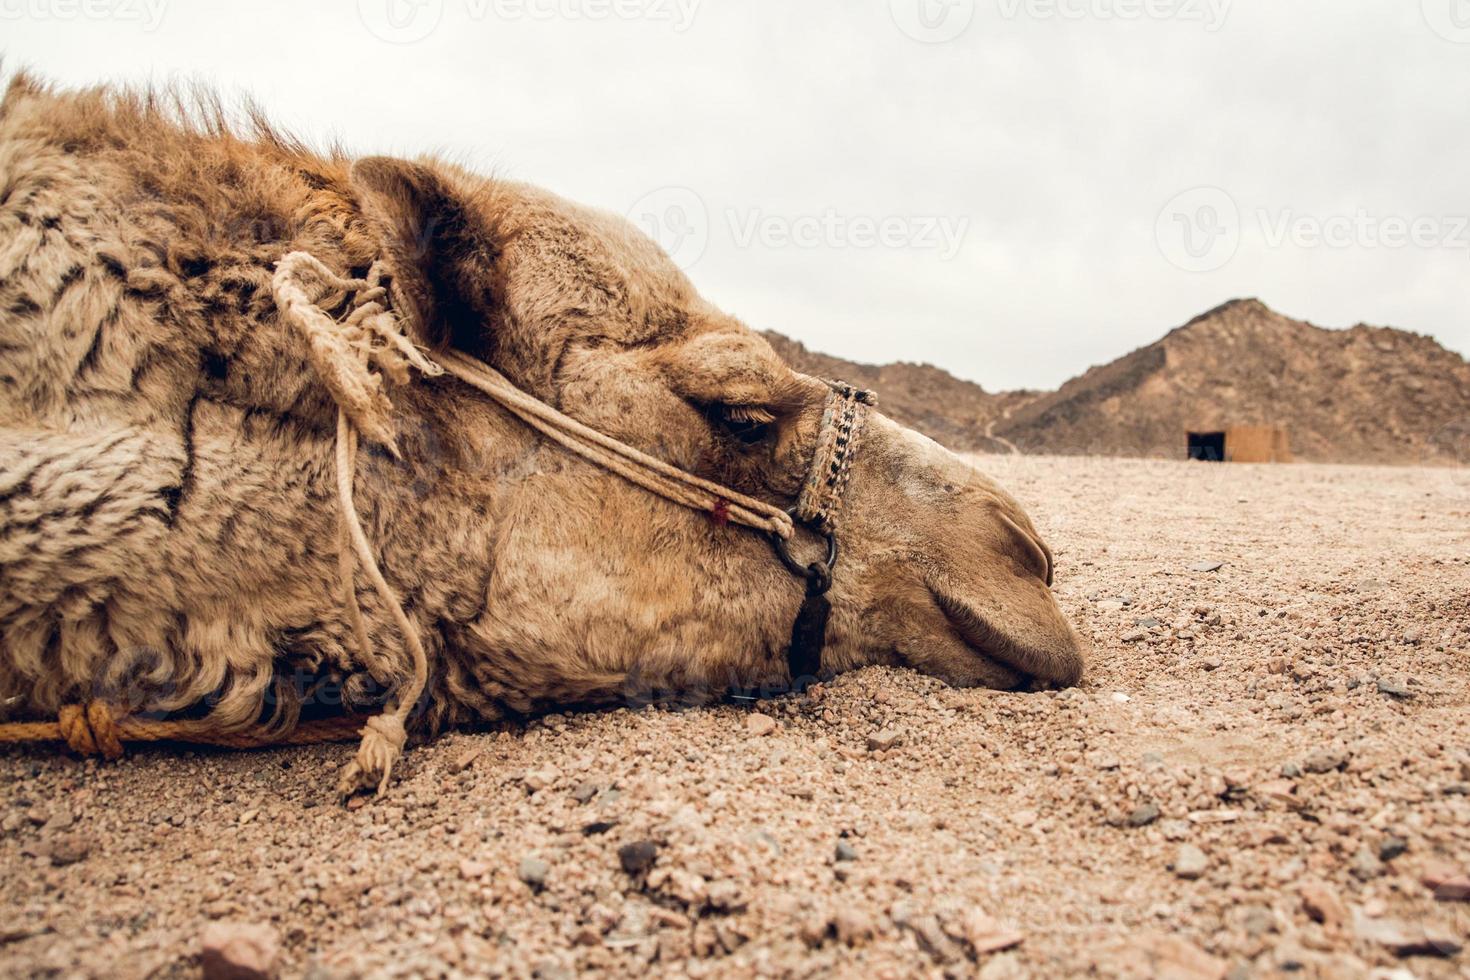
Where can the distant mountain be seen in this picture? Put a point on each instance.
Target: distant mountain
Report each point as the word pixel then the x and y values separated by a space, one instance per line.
pixel 921 396
pixel 1366 394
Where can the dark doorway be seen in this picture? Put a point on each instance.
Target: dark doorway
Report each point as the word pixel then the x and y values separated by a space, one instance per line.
pixel 1209 446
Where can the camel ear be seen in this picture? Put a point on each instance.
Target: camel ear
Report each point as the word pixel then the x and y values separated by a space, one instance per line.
pixel 439 247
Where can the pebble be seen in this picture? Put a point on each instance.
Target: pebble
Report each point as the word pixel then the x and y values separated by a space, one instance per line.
pixel 239 951
pixel 759 724
pixel 638 856
pixel 470 870
pixel 1190 862
pixel 1365 865
pixel 1395 689
pixel 1143 815
pixel 1134 636
pixel 533 871
pixel 1207 566
pixel 1404 938
pixel 67 849
pixel 1324 762
pixel 845 852
pixel 852 927
pixel 884 740
pixel 985 935
pixel 1321 904
pixel 1391 847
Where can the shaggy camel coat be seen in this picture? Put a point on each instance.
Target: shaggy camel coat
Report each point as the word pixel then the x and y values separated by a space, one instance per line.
pixel 167 517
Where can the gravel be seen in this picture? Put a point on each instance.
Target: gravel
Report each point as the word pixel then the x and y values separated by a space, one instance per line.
pixel 676 843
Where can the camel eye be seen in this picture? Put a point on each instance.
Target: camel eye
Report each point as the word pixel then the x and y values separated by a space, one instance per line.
pixel 749 424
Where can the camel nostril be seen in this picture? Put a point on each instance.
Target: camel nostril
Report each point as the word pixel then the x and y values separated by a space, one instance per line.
pixel 1034 548
pixel 1026 633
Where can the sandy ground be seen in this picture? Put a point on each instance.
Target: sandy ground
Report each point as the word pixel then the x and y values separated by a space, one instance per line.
pixel 1262 767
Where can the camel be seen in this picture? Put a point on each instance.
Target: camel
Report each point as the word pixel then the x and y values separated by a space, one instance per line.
pixel 179 453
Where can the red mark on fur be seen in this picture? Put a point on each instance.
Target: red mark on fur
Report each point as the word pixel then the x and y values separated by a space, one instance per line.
pixel 720 513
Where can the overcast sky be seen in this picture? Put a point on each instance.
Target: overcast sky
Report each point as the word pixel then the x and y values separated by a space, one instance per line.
pixel 1012 189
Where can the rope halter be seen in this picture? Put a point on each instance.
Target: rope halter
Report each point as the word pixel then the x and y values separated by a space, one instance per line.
pixel 356 356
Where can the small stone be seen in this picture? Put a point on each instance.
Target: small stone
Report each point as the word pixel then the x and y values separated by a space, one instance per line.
pixel 533 871
pixel 1396 689
pixel 1024 818
pixel 985 935
pixel 1413 635
pixel 1404 938
pixel 1391 847
pixel 758 724
pixel 1143 815
pixel 853 928
pixel 845 852
pixel 1324 762
pixel 1190 862
pixel 584 792
pixel 725 896
pixel 1322 905
pixel 470 870
pixel 466 758
pixel 239 951
pixel 884 740
pixel 638 857
pixel 67 849
pixel 538 779
pixel 1291 771
pixel 1134 636
pixel 1207 566
pixel 1365 865
pixel 1447 885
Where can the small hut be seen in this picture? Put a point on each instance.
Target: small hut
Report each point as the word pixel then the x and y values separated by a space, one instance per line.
pixel 1241 444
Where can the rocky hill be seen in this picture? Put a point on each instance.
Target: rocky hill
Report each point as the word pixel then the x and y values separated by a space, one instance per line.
pixel 957 413
pixel 1366 394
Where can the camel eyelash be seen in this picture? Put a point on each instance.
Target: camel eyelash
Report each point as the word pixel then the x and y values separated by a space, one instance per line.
pixel 748 415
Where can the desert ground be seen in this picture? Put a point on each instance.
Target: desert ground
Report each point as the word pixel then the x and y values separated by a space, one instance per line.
pixel 1265 771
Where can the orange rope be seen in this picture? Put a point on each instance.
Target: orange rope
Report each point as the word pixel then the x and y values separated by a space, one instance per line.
pixel 94 730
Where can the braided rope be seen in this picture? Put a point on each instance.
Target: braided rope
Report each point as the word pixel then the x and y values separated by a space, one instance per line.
pixel 93 729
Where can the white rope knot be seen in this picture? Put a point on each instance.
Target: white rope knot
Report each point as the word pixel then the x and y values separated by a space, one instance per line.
pixel 351 356
pixel 383 738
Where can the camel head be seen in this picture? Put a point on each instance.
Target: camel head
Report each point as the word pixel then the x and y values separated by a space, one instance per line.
pixel 598 589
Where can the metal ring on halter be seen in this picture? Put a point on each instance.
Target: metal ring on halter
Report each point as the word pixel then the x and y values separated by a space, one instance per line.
pixel 807 571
